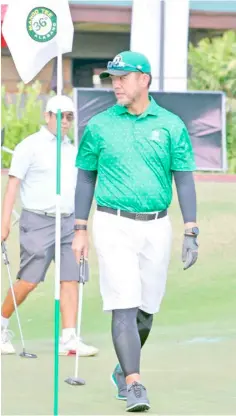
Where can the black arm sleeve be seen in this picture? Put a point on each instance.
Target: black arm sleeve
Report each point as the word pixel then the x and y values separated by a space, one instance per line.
pixel 86 181
pixel 186 194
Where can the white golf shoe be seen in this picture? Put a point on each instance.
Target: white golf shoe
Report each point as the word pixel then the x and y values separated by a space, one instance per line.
pixel 69 347
pixel 6 345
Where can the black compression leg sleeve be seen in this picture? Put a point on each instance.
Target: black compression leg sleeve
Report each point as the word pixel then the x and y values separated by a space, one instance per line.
pixel 144 321
pixel 126 339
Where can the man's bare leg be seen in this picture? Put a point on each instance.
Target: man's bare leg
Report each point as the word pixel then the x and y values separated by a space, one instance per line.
pixel 21 290
pixel 69 304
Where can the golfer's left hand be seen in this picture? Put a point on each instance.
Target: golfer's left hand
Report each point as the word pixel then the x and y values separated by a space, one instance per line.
pixel 80 245
pixel 189 251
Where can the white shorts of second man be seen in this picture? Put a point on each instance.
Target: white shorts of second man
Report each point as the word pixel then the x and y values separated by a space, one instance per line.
pixel 133 261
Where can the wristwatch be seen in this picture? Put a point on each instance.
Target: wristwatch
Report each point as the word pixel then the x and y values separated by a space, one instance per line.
pixel 192 231
pixel 80 227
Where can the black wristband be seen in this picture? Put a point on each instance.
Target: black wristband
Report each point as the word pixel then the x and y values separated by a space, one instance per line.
pixel 80 227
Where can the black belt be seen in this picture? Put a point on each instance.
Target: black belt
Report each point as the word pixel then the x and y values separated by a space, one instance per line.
pixel 138 216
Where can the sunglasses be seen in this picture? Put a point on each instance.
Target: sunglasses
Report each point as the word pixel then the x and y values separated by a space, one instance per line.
pixel 67 116
pixel 121 65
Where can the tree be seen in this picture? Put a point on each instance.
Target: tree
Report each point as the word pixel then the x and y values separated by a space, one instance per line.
pixel 213 68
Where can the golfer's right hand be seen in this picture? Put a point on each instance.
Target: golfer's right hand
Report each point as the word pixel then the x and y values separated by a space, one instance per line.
pixel 80 245
pixel 5 230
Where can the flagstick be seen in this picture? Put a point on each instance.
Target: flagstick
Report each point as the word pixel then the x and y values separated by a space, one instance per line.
pixel 57 239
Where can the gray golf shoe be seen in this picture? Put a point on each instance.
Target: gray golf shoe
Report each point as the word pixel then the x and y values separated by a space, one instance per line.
pixel 137 400
pixel 118 379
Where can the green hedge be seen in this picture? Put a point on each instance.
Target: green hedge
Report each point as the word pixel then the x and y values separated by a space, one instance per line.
pixel 22 115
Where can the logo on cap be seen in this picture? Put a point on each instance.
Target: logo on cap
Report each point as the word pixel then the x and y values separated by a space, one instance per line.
pixel 117 60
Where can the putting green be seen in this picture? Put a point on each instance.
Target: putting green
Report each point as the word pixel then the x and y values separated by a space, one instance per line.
pixel 188 364
pixel 187 378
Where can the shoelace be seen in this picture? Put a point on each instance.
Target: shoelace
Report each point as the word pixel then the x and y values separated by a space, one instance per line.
pixel 6 335
pixel 137 388
pixel 72 338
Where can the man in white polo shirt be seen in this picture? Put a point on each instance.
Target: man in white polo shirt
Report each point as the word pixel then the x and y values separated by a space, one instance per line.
pixel 33 168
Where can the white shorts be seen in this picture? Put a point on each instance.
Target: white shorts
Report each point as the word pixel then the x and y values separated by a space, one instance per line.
pixel 133 259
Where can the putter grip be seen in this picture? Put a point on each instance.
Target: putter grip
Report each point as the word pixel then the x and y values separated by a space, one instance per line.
pixel 4 253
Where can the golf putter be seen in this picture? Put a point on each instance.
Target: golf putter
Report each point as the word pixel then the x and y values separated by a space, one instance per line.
pixel 83 269
pixel 23 354
pixel 17 217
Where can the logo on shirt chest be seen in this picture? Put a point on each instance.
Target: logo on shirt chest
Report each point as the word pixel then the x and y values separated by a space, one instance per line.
pixel 155 136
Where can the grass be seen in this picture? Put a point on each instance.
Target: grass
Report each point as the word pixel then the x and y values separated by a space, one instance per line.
pixel 189 362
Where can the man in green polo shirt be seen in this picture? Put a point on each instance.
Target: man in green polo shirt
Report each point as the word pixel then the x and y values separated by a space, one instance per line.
pixel 133 150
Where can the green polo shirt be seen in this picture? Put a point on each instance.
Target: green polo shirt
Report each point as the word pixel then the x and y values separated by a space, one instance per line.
pixel 135 156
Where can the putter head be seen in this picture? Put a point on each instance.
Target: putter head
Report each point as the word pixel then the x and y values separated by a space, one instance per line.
pixel 27 355
pixel 75 381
